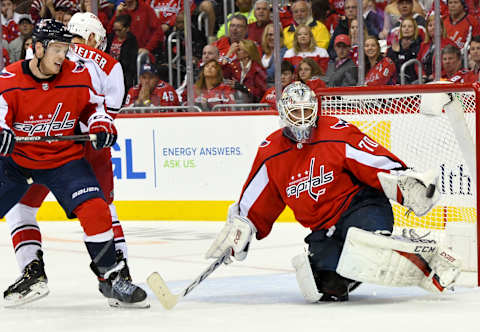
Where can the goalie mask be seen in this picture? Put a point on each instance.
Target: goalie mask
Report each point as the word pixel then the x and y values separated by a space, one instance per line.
pixel 298 109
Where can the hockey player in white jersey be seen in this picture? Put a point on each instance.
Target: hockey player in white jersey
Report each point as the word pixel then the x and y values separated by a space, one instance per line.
pixel 107 78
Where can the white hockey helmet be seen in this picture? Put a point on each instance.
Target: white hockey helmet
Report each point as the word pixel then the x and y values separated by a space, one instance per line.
pixel 84 24
pixel 298 109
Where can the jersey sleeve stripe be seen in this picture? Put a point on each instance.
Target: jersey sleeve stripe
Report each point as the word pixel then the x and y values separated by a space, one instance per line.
pixel 253 190
pixel 3 113
pixel 365 158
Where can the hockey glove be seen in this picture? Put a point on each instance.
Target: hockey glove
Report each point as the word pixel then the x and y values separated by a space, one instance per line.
pixel 236 234
pixel 105 131
pixel 7 142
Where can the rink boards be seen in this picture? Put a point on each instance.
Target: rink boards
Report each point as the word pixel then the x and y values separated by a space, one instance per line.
pixel 182 167
pixel 192 166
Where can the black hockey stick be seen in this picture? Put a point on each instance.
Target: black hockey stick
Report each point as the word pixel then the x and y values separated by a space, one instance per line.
pixel 166 297
pixel 34 139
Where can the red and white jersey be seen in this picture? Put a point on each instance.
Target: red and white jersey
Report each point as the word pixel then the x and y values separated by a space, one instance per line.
pixel 338 6
pixel 32 107
pixel 315 83
pixel 320 55
pixel 106 74
pixel 221 94
pixel 459 31
pixel 463 76
pixel 163 95
pixel 167 10
pixel 270 97
pixel 317 181
pixel 382 74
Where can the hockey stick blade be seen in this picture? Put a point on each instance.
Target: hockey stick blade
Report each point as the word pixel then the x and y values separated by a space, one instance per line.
pixel 166 297
pixel 35 139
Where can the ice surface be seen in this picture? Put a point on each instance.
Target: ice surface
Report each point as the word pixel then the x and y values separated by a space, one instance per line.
pixel 259 294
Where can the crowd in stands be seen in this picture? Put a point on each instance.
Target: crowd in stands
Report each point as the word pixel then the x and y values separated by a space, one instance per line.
pixel 233 61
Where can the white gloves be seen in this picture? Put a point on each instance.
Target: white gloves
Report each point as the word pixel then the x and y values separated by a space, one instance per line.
pixel 236 234
pixel 419 190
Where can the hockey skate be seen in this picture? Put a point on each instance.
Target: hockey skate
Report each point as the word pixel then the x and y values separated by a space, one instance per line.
pixel 116 285
pixel 31 286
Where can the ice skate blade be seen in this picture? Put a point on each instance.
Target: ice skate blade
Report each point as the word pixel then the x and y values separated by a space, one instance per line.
pixel 37 291
pixel 137 305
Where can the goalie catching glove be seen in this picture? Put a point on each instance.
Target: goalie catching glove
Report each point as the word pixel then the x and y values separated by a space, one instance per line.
pixel 416 191
pixel 237 234
pixel 102 126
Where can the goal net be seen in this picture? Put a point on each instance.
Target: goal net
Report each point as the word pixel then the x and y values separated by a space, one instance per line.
pixel 395 117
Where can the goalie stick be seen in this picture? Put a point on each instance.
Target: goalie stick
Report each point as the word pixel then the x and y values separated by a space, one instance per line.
pixel 166 297
pixel 34 139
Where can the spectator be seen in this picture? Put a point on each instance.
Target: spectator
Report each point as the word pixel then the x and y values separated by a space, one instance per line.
pixel 353 34
pixel 27 44
pixel 209 53
pixel 228 46
pixel 475 54
pixel 341 71
pixel 304 46
pixel 245 8
pixel 373 21
pixel 198 42
pixel 209 8
pixel 407 48
pixel 427 48
pixel 302 14
pixel 167 11
pixel 48 8
pixel 268 44
pixel 323 11
pixel 25 26
pixel 379 70
pixel 151 91
pixel 343 26
pixel 392 15
pixel 67 15
pixel 209 89
pixel 405 8
pixel 287 77
pixel 309 72
pixel 9 26
pixel 452 66
pixel 248 77
pixel 122 45
pixel 262 16
pixel 458 23
pixel 144 25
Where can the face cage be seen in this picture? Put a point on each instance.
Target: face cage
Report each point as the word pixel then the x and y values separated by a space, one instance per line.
pixel 299 129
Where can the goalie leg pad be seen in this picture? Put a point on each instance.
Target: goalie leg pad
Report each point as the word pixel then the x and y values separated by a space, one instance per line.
pixel 397 261
pixel 305 279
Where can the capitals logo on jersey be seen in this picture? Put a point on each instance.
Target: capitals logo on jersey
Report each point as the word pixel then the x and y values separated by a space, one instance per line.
pixel 310 183
pixel 46 124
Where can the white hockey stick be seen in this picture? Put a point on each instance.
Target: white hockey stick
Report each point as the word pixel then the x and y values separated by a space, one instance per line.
pixel 166 297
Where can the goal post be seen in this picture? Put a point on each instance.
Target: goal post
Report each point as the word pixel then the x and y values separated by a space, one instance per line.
pixel 413 123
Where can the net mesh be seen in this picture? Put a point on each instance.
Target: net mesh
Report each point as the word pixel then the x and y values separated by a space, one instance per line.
pixel 422 142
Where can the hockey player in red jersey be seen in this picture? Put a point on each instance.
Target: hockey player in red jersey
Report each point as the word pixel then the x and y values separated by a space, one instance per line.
pixel 338 182
pixel 48 96
pixel 107 79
